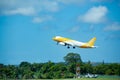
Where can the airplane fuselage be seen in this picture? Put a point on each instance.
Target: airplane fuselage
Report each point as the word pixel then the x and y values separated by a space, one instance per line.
pixel 69 42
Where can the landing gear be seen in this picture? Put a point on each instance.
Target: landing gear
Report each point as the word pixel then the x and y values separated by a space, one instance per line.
pixel 73 47
pixel 57 43
pixel 68 47
pixel 65 44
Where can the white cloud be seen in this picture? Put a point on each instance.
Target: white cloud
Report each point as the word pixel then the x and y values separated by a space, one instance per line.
pixel 42 19
pixel 101 0
pixel 71 1
pixel 11 7
pixel 74 29
pixel 113 27
pixel 27 7
pixel 22 11
pixel 52 6
pixel 94 15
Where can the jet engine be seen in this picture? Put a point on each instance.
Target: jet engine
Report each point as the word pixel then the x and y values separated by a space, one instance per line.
pixel 61 43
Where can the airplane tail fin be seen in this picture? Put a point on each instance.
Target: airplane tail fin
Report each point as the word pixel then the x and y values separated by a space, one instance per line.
pixel 92 41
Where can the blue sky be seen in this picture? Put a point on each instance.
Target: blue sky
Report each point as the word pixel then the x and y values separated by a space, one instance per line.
pixel 27 28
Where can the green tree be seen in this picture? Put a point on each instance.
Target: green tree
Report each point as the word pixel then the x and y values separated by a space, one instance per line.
pixel 100 69
pixel 25 64
pixel 46 67
pixel 35 67
pixel 89 68
pixel 109 72
pixel 72 68
pixel 25 70
pixel 72 58
pixel 2 68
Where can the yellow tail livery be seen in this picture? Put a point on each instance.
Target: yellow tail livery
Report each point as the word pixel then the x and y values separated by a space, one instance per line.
pixel 92 41
pixel 69 42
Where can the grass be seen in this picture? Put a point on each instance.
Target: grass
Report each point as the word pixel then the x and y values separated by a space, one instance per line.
pixel 92 79
pixel 99 78
pixel 72 79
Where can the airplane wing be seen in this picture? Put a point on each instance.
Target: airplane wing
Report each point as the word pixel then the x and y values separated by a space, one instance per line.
pixel 73 43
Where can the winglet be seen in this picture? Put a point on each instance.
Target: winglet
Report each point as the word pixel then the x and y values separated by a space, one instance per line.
pixel 92 41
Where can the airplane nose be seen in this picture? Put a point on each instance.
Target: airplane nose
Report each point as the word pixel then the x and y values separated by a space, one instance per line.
pixel 54 38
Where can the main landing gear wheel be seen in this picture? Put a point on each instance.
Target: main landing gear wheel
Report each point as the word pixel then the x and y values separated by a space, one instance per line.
pixel 73 47
pixel 68 47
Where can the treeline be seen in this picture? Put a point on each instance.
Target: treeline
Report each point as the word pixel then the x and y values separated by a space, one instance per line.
pixel 51 70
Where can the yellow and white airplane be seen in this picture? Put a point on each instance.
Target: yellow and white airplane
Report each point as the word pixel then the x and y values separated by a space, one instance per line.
pixel 69 42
